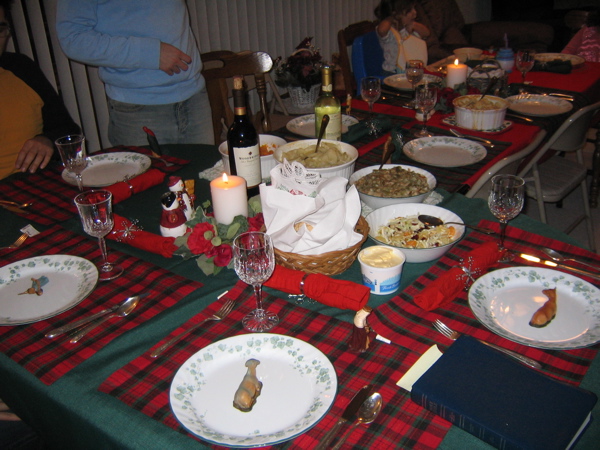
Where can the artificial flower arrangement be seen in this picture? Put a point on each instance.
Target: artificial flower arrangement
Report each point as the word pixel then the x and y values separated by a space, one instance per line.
pixel 302 68
pixel 447 95
pixel 210 242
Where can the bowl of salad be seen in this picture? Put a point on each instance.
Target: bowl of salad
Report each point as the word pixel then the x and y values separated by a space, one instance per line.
pixel 393 184
pixel 399 226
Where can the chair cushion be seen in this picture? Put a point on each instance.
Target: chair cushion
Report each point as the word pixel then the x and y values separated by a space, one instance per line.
pixel 558 176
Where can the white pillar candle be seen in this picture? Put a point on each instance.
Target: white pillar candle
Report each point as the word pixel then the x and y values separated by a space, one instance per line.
pixel 456 74
pixel 229 198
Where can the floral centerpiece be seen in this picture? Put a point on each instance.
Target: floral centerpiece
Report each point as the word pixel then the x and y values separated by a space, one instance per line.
pixel 210 242
pixel 447 95
pixel 301 69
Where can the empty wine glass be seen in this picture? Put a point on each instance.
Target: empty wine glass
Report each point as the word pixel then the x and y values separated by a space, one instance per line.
pixel 370 91
pixel 254 262
pixel 73 155
pixel 524 61
pixel 426 97
pixel 414 74
pixel 506 201
pixel 95 210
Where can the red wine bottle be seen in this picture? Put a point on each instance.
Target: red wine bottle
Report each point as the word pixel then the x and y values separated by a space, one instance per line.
pixel 242 142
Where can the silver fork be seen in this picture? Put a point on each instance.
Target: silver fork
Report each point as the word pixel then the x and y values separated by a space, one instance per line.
pixel 219 315
pixel 17 243
pixel 454 335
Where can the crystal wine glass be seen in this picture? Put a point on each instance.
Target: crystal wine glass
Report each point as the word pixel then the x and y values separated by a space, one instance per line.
pixel 370 91
pixel 95 210
pixel 506 201
pixel 524 61
pixel 73 155
pixel 254 262
pixel 414 74
pixel 426 97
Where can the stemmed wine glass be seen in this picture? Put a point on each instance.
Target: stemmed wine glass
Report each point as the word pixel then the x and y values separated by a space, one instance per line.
pixel 426 97
pixel 95 210
pixel 506 201
pixel 254 262
pixel 414 74
pixel 73 155
pixel 524 61
pixel 370 91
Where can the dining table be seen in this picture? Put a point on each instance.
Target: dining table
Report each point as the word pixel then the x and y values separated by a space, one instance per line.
pixel 107 392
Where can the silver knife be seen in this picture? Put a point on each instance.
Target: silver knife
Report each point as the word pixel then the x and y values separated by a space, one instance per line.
pixel 347 416
pixel 518 116
pixel 552 264
pixel 78 323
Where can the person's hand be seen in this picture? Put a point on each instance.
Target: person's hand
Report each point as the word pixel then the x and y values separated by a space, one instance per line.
pixel 35 154
pixel 6 414
pixel 173 60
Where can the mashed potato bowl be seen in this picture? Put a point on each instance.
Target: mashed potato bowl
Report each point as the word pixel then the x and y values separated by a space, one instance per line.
pixel 382 216
pixel 267 162
pixel 484 115
pixel 344 170
pixel 375 202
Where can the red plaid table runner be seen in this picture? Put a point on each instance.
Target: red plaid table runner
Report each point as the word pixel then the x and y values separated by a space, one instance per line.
pixel 406 324
pixel 50 359
pixel 52 196
pixel 144 383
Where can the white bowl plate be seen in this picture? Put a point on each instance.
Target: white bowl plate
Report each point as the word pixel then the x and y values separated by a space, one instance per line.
pixel 538 105
pixel 110 168
pixel 444 151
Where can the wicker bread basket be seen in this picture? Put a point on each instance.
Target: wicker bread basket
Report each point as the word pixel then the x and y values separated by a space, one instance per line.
pixel 330 263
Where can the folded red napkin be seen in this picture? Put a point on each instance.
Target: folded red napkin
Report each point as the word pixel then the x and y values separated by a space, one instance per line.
pixel 123 190
pixel 337 293
pixel 445 288
pixel 144 240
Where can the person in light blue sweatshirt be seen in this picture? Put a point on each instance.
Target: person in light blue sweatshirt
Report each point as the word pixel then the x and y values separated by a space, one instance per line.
pixel 149 62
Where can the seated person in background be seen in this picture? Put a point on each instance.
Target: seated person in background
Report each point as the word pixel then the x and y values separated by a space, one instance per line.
pixel 586 42
pixel 32 115
pixel 400 35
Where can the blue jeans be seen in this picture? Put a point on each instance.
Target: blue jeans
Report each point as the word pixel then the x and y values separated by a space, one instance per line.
pixel 186 122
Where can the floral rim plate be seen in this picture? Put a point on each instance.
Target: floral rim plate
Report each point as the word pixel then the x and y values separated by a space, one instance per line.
pixel 400 82
pixel 305 125
pixel 505 300
pixel 65 281
pixel 444 151
pixel 451 120
pixel 576 61
pixel 110 168
pixel 299 386
pixel 538 105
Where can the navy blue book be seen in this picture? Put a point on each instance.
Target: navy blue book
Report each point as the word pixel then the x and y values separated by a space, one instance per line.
pixel 501 401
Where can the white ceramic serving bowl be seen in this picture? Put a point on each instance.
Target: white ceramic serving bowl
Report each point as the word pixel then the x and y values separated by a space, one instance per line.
pixel 481 120
pixel 467 53
pixel 267 162
pixel 378 202
pixel 343 170
pixel 382 216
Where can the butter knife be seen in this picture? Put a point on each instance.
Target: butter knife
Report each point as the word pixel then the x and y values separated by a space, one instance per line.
pixel 347 416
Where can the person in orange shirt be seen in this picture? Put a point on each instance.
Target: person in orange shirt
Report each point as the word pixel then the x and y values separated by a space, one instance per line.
pixel 32 115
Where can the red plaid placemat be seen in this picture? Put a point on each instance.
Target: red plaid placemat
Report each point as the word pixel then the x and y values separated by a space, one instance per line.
pixel 52 196
pixel 49 359
pixel 402 321
pixel 144 383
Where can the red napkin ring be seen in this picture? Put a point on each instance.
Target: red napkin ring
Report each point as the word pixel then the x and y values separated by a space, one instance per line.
pixel 141 239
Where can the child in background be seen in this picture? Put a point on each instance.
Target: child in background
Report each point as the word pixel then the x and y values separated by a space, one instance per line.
pixel 402 38
pixel 586 42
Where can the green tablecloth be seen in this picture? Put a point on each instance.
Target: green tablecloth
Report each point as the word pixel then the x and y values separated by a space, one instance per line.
pixel 71 413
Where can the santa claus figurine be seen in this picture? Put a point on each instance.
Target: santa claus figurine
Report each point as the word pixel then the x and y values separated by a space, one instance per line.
pixel 173 218
pixel 177 186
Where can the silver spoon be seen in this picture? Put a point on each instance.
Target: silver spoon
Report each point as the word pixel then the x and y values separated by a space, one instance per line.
pixel 556 256
pixel 324 123
pixel 431 221
pixel 473 138
pixel 367 413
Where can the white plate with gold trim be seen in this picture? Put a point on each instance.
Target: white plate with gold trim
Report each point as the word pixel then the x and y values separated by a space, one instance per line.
pixel 538 105
pixel 110 168
pixel 444 151
pixel 305 125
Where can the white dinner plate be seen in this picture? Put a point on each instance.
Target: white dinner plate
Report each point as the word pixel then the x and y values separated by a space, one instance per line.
pixel 400 82
pixel 299 386
pixel 305 125
pixel 65 280
pixel 538 105
pixel 110 168
pixel 505 300
pixel 444 151
pixel 576 61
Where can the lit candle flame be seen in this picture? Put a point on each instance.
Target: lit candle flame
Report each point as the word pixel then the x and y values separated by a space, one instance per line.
pixel 456 62
pixel 225 179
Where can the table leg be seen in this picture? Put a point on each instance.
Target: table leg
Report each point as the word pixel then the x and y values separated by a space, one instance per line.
pixel 595 187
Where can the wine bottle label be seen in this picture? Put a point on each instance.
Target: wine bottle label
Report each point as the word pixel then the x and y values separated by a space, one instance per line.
pixel 247 164
pixel 334 129
pixel 327 88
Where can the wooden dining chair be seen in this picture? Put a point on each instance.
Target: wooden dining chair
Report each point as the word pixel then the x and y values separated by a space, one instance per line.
pixel 346 38
pixel 221 66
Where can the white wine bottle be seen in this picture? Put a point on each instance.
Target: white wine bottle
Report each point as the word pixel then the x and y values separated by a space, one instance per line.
pixel 242 142
pixel 328 104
